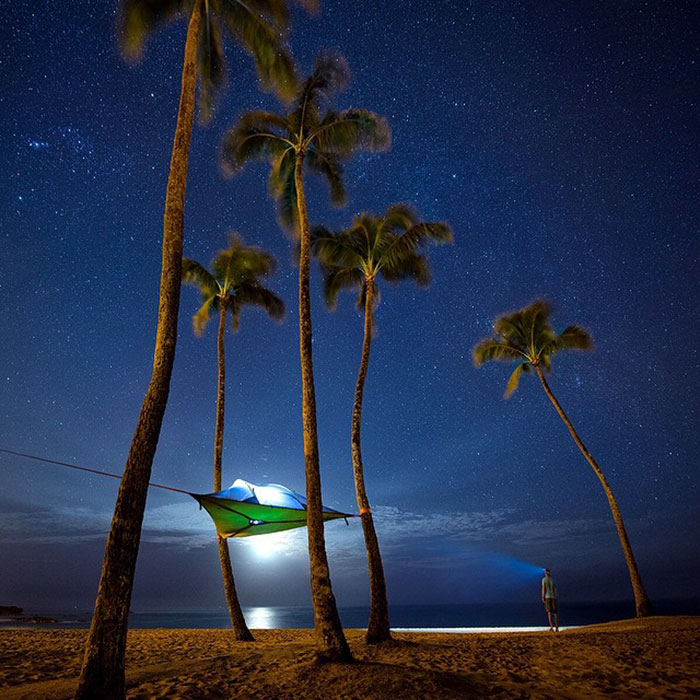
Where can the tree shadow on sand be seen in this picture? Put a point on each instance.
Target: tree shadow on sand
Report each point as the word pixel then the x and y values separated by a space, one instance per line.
pixel 372 679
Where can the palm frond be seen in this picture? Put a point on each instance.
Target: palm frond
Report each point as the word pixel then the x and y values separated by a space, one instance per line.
pixel 535 318
pixel 409 267
pixel 262 120
pixel 240 263
pixel 138 18
pixel 211 64
pixel 406 244
pixel 281 169
pixel 331 74
pixel 364 236
pixel 285 187
pixel 352 130
pixel 575 338
pixel 514 379
pixel 275 11
pixel 325 244
pixel 510 326
pixel 253 294
pixel 571 338
pixel 282 187
pixel 493 350
pixel 335 279
pixel 201 318
pixel 334 249
pixel 328 165
pixel 194 273
pixel 398 218
pixel 257 136
pixel 259 27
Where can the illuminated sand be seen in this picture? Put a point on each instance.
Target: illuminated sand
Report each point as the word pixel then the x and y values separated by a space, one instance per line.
pixel 657 658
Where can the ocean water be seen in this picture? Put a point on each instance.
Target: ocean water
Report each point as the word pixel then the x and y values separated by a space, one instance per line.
pixel 463 617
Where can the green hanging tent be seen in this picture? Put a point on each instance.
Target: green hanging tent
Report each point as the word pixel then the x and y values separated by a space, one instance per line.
pixel 245 509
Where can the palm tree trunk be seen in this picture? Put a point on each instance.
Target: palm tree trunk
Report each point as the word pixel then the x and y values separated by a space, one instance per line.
pixel 220 396
pixel 329 632
pixel 378 627
pixel 643 605
pixel 102 673
pixel 240 628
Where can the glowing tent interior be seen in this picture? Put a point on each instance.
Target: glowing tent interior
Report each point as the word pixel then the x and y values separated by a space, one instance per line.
pixel 245 509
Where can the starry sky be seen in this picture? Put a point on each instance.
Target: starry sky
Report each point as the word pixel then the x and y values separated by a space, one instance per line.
pixel 558 139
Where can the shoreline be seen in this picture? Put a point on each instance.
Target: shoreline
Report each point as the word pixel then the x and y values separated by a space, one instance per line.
pixel 450 618
pixel 649 658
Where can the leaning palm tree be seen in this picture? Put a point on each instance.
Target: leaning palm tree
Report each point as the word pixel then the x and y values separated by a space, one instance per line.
pixel 388 246
pixel 257 25
pixel 233 283
pixel 315 137
pixel 526 337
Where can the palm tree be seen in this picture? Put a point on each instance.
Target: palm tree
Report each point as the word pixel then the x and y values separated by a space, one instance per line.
pixel 390 246
pixel 526 336
pixel 307 138
pixel 232 284
pixel 257 25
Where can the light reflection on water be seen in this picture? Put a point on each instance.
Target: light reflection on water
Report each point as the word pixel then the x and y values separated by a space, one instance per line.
pixel 261 618
pixel 485 615
pixel 265 618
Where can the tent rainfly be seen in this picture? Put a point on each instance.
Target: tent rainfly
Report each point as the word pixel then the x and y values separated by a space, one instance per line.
pixel 245 509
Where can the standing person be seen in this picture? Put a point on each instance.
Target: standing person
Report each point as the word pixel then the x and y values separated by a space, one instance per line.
pixel 549 598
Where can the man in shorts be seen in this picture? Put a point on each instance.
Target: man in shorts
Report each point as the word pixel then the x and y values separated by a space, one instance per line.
pixel 549 598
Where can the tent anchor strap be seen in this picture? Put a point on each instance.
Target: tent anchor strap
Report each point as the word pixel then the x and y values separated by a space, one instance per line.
pixel 86 469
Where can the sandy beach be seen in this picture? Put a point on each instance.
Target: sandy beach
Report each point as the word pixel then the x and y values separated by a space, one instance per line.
pixel 654 658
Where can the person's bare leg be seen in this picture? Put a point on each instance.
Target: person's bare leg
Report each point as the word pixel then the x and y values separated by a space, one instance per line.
pixel 556 620
pixel 549 617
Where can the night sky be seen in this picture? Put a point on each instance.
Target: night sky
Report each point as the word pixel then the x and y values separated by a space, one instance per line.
pixel 558 139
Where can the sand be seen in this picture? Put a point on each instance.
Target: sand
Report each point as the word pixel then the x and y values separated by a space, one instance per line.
pixel 654 658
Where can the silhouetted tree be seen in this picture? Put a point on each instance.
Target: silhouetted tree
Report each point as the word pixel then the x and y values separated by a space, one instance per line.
pixel 526 337
pixel 389 246
pixel 258 26
pixel 315 137
pixel 232 284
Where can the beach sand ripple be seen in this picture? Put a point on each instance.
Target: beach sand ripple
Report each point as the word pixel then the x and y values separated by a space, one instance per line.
pixel 654 658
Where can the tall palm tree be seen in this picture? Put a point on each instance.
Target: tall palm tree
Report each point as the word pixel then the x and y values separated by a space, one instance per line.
pixel 526 337
pixel 315 137
pixel 257 25
pixel 232 284
pixel 388 246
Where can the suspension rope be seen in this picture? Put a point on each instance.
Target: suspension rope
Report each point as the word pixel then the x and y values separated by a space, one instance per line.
pixel 86 469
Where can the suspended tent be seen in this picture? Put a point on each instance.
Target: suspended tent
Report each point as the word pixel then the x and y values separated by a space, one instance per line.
pixel 245 509
pixel 242 510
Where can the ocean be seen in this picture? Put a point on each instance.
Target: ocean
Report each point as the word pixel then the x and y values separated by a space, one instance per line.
pixel 468 617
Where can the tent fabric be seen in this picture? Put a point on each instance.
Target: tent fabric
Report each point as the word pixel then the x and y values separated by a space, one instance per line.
pixel 244 509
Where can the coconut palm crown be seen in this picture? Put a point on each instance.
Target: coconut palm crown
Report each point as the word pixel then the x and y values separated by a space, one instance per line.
pixel 526 337
pixel 233 283
pixel 256 25
pixel 322 139
pixel 389 245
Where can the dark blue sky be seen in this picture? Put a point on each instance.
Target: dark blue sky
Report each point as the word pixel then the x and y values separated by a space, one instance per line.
pixel 560 140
